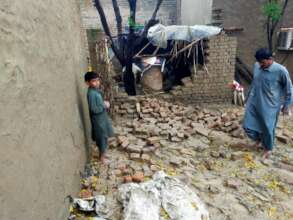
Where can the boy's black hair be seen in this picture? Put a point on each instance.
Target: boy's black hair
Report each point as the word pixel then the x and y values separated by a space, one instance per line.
pixel 90 75
pixel 263 54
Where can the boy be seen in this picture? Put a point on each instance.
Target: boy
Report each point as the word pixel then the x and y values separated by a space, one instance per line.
pixel 101 124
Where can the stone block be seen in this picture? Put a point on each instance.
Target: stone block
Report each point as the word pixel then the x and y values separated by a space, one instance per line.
pixel 125 144
pixel 233 183
pixel 134 156
pixel 282 138
pixel 132 148
pixel 121 139
pixel 138 177
pixel 153 140
pixel 238 155
pixel 146 157
pixel 127 179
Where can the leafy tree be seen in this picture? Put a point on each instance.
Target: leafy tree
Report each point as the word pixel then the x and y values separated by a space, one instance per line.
pixel 274 10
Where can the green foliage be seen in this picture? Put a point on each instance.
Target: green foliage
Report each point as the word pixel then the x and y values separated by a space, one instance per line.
pixel 131 22
pixel 134 25
pixel 273 9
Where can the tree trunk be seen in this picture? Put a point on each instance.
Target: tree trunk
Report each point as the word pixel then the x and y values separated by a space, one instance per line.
pixel 107 30
pixel 272 25
pixel 119 28
pixel 125 56
pixel 129 80
pixel 118 17
pixel 150 23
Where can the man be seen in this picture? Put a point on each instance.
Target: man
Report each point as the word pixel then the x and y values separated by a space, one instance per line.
pixel 269 94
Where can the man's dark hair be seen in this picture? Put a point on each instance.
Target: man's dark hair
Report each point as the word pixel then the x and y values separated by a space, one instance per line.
pixel 263 54
pixel 90 75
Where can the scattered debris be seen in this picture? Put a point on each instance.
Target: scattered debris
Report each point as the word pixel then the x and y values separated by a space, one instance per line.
pixel 88 205
pixel 144 201
pixel 198 146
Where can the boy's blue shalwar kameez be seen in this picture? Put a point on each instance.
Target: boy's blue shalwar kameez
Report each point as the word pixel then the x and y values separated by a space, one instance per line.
pixel 270 89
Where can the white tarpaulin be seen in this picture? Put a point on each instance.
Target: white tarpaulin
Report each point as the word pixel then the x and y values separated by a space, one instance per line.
pixel 159 34
pixel 146 200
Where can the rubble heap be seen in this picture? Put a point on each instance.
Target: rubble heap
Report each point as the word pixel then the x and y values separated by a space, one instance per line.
pixel 152 118
pixel 200 147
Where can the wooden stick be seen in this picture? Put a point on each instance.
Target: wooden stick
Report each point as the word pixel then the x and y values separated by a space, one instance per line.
pixel 189 52
pixel 204 63
pixel 188 46
pixel 194 62
pixel 142 49
pixel 185 48
pixel 150 55
pixel 156 51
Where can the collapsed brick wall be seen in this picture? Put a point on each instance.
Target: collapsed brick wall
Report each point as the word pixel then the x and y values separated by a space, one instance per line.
pixel 212 87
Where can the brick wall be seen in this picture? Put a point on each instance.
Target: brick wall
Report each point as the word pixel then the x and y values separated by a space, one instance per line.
pixel 167 14
pixel 211 87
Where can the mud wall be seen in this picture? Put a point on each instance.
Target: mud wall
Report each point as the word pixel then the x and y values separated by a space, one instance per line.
pixel 168 13
pixel 248 15
pixel 42 120
pixel 196 12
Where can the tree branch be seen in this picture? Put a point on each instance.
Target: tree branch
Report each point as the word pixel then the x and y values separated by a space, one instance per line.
pixel 104 22
pixel 152 19
pixel 274 24
pixel 129 80
pixel 118 17
pixel 282 14
pixel 284 7
pixel 119 28
pixel 132 6
pixel 269 30
pixel 159 2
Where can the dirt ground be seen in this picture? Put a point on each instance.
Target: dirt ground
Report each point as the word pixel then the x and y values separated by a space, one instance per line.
pixel 234 181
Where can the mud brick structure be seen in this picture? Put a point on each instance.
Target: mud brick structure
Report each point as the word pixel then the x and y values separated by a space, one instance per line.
pixel 210 86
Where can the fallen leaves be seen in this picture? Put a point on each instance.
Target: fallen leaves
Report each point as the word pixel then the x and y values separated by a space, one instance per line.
pixel 273 185
pixel 272 212
pixel 164 214
pixel 249 162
